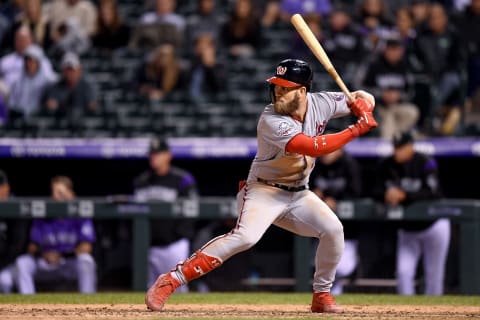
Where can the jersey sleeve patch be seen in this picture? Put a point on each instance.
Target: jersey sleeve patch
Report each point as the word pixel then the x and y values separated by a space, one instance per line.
pixel 284 129
pixel 338 96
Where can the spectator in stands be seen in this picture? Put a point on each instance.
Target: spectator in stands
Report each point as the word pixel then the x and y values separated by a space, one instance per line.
pixel 405 178
pixel 69 38
pixel 207 75
pixel 440 55
pixel 388 80
pixel 290 7
pixel 206 19
pixel 337 177
pixel 404 27
pixel 299 48
pixel 241 33
pixel 164 12
pixel 73 94
pixel 468 24
pixel 374 22
pixel 272 15
pixel 112 33
pixel 170 240
pixel 11 65
pixel 161 74
pixel 83 13
pixel 28 90
pixel 343 42
pixel 60 249
pixel 159 26
pixel 420 10
pixel 34 17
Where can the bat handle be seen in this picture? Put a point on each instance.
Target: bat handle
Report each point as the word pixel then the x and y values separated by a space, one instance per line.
pixel 349 96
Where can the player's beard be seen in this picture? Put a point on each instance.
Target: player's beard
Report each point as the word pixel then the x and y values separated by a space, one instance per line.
pixel 287 108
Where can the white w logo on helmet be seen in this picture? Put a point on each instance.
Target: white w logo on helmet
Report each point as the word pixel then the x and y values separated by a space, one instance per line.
pixel 281 70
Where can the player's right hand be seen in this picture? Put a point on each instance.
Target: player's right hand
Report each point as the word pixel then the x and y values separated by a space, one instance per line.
pixel 364 124
pixel 359 106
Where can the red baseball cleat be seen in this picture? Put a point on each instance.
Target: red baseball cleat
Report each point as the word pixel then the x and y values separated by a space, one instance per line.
pixel 159 292
pixel 325 302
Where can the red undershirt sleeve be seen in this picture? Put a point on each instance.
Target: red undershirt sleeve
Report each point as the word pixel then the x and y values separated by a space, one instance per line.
pixel 319 145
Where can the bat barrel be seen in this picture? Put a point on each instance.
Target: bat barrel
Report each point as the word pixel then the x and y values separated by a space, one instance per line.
pixel 317 49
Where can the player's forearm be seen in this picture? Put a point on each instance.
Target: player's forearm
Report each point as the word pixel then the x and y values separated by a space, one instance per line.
pixel 319 145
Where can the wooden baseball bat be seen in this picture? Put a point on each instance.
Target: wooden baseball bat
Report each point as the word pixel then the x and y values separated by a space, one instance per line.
pixel 315 46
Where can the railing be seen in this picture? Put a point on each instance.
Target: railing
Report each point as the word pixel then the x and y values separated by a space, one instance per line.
pixel 465 212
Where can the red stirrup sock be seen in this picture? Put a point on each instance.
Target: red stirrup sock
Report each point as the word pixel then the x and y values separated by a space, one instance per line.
pixel 196 266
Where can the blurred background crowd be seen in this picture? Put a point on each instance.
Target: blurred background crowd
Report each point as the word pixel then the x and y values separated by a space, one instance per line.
pixel 121 68
pixel 197 68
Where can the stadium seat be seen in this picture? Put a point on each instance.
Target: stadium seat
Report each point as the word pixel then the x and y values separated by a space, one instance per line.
pixel 179 126
pixel 130 124
pixel 53 133
pixel 41 122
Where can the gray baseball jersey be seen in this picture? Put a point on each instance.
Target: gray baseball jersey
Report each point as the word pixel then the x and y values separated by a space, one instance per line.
pixel 272 162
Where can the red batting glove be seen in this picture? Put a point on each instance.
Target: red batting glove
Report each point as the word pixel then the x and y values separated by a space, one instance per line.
pixel 364 124
pixel 359 106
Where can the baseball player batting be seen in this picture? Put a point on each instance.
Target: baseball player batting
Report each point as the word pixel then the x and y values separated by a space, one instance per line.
pixel 289 135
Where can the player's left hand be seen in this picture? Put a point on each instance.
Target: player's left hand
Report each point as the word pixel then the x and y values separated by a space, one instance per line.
pixel 364 124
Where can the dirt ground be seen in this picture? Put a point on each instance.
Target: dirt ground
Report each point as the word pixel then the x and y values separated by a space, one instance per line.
pixel 199 311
